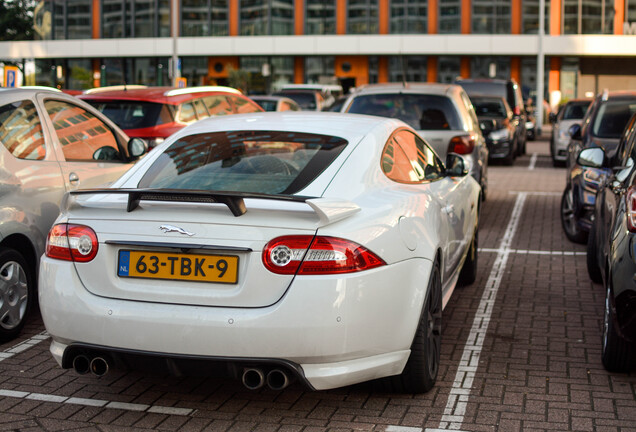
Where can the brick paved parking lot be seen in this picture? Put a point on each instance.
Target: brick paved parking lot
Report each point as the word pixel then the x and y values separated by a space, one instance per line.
pixel 521 352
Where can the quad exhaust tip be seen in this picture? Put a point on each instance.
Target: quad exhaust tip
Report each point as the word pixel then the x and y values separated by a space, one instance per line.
pixel 81 364
pixel 99 366
pixel 277 379
pixel 253 378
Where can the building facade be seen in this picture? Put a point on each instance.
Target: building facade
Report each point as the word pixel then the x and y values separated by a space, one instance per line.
pixel 588 45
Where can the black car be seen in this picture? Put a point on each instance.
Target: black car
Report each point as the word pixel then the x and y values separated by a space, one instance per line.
pixel 511 92
pixel 496 122
pixel 611 256
pixel 602 126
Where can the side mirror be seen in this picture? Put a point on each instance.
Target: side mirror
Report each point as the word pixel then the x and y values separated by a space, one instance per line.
pixel 137 147
pixel 455 165
pixel 552 117
pixel 487 125
pixel 575 132
pixel 592 157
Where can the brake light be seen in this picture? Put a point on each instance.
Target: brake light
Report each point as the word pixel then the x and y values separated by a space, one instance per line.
pixel 516 111
pixel 307 255
pixel 630 204
pixel 462 144
pixel 71 242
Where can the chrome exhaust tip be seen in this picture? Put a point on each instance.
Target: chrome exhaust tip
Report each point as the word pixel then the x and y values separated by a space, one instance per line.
pixel 99 366
pixel 81 364
pixel 253 378
pixel 277 379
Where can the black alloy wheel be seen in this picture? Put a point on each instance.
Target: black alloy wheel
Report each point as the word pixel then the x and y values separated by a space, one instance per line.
pixel 617 353
pixel 568 218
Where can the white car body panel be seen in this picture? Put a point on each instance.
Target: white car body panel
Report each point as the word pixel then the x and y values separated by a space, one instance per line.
pixel 561 138
pixel 339 329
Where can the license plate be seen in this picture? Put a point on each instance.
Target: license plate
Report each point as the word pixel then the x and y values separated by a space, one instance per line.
pixel 177 266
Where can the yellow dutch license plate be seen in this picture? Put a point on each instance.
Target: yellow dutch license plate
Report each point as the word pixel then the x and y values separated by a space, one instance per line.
pixel 176 266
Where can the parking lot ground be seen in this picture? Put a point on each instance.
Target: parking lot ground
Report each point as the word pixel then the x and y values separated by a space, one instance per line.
pixel 520 352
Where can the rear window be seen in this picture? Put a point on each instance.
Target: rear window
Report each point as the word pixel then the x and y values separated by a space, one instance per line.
pixel 270 162
pixel 306 101
pixel 575 110
pixel 612 117
pixel 267 105
pixel 422 112
pixel 489 107
pixel 134 114
pixel 485 88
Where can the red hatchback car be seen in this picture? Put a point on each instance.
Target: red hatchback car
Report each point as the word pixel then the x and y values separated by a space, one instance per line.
pixel 154 113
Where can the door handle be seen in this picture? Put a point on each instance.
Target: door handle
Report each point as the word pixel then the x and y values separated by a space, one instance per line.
pixel 73 178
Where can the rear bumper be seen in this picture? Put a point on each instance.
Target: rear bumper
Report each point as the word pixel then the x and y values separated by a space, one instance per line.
pixel 338 330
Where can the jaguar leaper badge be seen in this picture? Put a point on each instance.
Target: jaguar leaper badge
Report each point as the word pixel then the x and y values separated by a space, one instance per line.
pixel 172 228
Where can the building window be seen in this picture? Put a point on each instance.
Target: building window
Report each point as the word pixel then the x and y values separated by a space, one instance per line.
pixel 530 17
pixel 491 16
pixel 448 69
pixel 204 18
pixel 320 17
pixel 450 16
pixel 490 67
pixel 267 17
pixel 319 69
pixel 281 71
pixel 135 18
pixel 588 17
pixel 630 11
pixel 409 17
pixel 407 68
pixel 72 19
pixel 362 17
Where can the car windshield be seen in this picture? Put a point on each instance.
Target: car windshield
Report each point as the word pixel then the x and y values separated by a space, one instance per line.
pixel 267 105
pixel 420 111
pixel 134 114
pixel 484 88
pixel 489 107
pixel 268 162
pixel 612 117
pixel 305 100
pixel 575 110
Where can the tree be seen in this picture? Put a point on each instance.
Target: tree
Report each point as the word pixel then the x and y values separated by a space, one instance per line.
pixel 16 20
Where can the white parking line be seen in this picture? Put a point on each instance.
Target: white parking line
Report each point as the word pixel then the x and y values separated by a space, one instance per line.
pixel 23 346
pixel 533 252
pixel 97 403
pixel 533 161
pixel 460 391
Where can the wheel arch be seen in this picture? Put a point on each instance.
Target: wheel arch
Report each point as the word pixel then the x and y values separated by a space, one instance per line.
pixel 25 247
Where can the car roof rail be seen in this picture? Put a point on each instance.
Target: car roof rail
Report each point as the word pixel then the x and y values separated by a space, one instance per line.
pixel 201 89
pixel 115 88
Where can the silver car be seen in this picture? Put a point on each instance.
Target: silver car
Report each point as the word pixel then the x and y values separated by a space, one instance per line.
pixel 569 114
pixel 51 143
pixel 441 113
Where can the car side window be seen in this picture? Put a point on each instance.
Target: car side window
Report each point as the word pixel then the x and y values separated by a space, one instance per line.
pixel 21 130
pixel 408 159
pixel 187 114
pixel 83 136
pixel 200 109
pixel 243 105
pixel 217 105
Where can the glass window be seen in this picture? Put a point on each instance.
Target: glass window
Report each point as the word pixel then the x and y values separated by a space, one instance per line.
pixel 112 18
pixel 408 68
pixel 144 18
pixel 319 69
pixel 612 117
pixel 588 17
pixel 362 17
pixel 195 69
pixel 135 18
pixel 491 16
pixel 82 136
pixel 448 69
pixel 21 131
pixel 408 17
pixel 187 113
pixel 134 114
pixel 575 110
pixel 200 109
pixel 81 74
pixel 204 18
pixel 245 161
pixel 630 11
pixel 217 105
pixel 420 111
pixel 483 67
pixel 243 106
pixel 267 17
pixel 489 107
pixel 530 17
pixel 450 16
pixel 320 17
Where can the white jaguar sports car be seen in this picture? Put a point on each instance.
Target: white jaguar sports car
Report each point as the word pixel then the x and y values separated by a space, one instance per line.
pixel 318 247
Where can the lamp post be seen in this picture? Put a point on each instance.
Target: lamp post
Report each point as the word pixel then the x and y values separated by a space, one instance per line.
pixel 540 66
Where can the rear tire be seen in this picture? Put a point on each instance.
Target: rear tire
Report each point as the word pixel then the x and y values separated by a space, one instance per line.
pixel 16 293
pixel 617 353
pixel 468 274
pixel 420 372
pixel 593 269
pixel 568 218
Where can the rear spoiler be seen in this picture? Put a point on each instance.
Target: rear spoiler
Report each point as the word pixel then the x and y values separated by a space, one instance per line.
pixel 329 210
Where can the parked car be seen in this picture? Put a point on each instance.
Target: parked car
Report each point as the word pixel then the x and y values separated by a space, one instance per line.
pixel 511 91
pixel 531 124
pixel 496 122
pixel 154 113
pixel 275 103
pixel 610 251
pixel 329 93
pixel 214 246
pixel 442 113
pixel 572 112
pixel 307 99
pixel 51 143
pixel 602 126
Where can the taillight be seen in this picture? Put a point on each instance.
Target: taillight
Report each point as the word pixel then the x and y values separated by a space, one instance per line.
pixel 462 144
pixel 630 204
pixel 71 242
pixel 516 111
pixel 307 255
